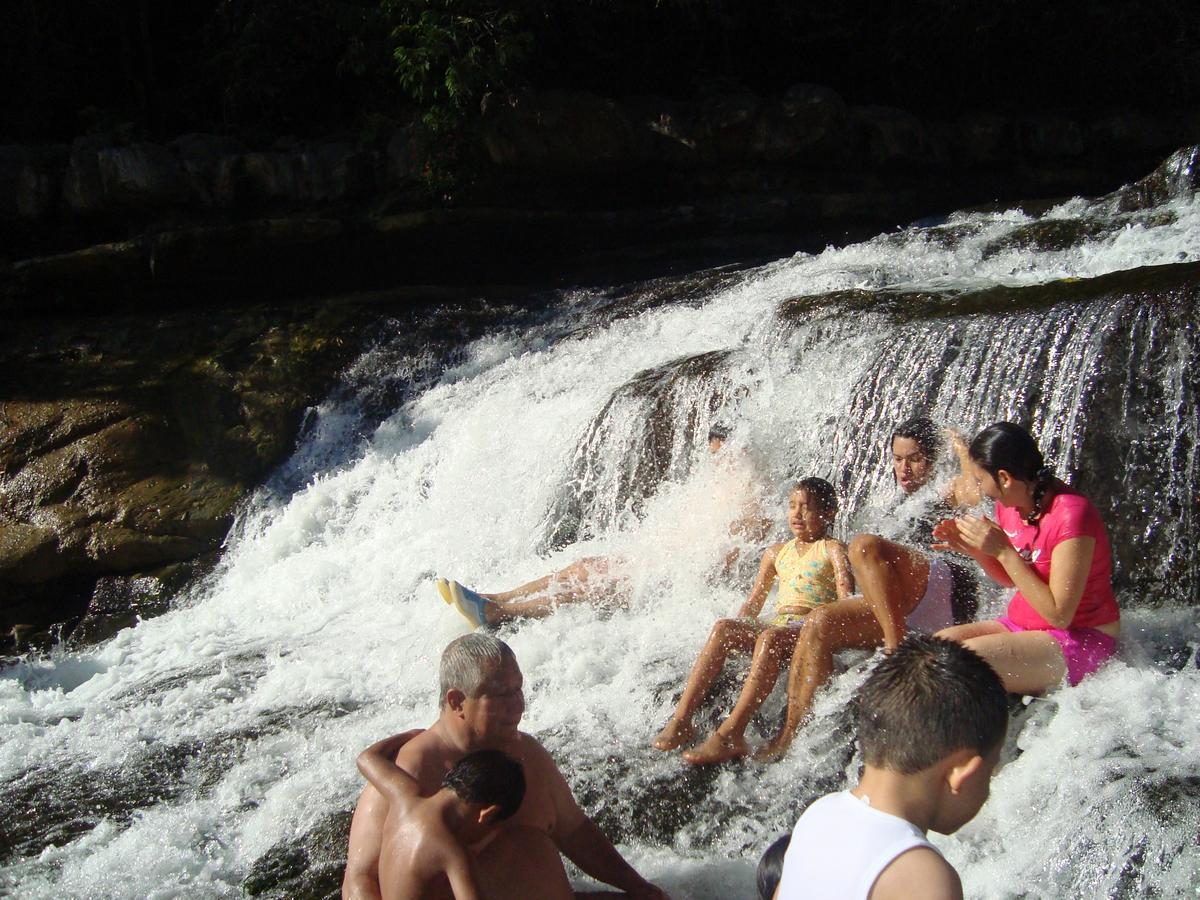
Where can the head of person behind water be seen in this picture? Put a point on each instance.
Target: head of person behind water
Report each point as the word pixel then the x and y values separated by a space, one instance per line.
pixel 481 688
pixel 812 507
pixel 490 787
pixel 1010 469
pixel 931 720
pixel 916 445
pixel 717 436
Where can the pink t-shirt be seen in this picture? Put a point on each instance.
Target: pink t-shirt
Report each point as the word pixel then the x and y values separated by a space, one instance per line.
pixel 1070 515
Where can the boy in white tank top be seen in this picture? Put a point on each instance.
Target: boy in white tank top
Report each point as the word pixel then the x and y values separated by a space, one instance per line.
pixel 931 720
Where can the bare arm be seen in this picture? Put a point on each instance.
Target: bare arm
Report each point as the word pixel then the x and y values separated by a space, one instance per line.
pixel 378 766
pixel 361 878
pixel 460 870
pixel 762 584
pixel 580 839
pixel 588 847
pixel 963 490
pixel 1070 563
pixel 949 538
pixel 843 577
pixel 920 872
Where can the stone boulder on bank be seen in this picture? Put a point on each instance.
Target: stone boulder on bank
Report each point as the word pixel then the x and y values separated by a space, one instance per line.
pixel 125 449
pixel 807 131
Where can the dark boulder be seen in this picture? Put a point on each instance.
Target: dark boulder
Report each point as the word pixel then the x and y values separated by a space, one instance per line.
pixel 141 176
pixel 559 131
pixel 895 140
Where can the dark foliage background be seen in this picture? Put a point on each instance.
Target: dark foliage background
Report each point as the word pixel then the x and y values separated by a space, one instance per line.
pixel 315 66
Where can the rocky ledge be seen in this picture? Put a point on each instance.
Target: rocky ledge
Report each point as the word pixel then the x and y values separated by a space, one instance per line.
pixel 126 443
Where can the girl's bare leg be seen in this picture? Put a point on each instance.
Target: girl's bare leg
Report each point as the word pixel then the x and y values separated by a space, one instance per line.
pixel 970 630
pixel 1028 662
pixel 585 581
pixel 843 625
pixel 891 578
pixel 727 635
pixel 729 742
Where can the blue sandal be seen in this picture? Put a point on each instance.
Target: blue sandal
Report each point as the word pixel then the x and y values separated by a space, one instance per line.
pixel 470 604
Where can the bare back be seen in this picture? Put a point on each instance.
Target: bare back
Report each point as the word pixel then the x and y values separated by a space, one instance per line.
pixel 417 856
pixel 548 807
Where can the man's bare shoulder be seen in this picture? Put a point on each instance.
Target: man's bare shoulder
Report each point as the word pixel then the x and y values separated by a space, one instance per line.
pixel 919 872
pixel 424 756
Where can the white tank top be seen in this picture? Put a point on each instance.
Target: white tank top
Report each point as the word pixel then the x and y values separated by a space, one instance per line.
pixel 840 845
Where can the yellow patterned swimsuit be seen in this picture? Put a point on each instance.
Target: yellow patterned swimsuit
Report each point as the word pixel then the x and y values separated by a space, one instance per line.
pixel 804 580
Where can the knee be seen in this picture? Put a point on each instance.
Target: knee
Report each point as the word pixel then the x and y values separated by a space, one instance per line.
pixel 722 630
pixel 769 641
pixel 865 548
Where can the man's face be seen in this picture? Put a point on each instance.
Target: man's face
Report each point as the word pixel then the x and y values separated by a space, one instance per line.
pixel 495 714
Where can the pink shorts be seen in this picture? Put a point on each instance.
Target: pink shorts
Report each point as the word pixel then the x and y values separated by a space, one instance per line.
pixel 1084 649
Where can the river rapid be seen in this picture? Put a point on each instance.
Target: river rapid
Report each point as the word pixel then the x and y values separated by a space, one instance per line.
pixel 210 751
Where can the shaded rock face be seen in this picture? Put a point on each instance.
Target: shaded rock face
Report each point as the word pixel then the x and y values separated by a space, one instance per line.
pixel 126 444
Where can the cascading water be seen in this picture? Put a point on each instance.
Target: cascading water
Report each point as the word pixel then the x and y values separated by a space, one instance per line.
pixel 210 751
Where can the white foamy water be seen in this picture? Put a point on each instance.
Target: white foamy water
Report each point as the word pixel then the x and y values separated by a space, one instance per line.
pixel 230 725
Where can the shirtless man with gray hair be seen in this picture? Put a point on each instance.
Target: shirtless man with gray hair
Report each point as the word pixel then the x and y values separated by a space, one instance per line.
pixel 482 703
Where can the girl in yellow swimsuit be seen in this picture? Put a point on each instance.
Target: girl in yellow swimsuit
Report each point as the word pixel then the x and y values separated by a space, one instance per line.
pixel 811 569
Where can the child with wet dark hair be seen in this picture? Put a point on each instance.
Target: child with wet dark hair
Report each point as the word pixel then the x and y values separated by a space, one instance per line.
pixel 812 570
pixel 425 839
pixel 770 867
pixel 931 719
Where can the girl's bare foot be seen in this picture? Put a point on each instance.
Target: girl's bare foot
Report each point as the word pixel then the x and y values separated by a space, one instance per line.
pixel 674 735
pixel 717 749
pixel 773 750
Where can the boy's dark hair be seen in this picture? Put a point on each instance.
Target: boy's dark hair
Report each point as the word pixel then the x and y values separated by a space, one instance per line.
pixel 922 430
pixel 770 867
pixel 926 699
pixel 489 778
pixel 821 490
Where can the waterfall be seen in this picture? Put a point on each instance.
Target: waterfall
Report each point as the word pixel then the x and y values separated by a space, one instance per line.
pixel 210 751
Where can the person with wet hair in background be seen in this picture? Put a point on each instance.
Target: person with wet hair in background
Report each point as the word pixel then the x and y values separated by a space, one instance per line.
pixel 811 570
pixel 1049 542
pixel 900 586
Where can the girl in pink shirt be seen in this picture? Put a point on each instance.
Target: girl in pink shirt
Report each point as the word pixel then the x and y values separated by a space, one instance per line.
pixel 1049 543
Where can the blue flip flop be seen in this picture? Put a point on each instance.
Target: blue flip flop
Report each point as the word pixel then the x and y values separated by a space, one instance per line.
pixel 443 589
pixel 470 604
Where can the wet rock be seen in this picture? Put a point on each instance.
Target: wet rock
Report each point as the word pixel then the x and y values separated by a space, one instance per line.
pixel 984 139
pixel 307 869
pixel 727 124
pixel 83 189
pixel 560 131
pixel 92 488
pixel 336 172
pixel 408 150
pixel 894 139
pixel 117 602
pixel 269 176
pixel 201 156
pixel 140 176
pixel 811 122
pixel 29 553
pixel 1052 138
pixel 665 129
pixel 1179 175
pixel 27 186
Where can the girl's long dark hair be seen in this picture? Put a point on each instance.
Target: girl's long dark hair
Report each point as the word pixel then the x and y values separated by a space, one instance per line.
pixel 1011 448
